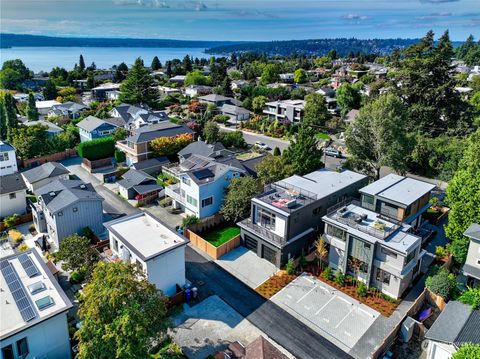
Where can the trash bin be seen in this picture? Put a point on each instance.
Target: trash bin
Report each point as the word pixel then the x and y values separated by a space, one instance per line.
pixel 194 292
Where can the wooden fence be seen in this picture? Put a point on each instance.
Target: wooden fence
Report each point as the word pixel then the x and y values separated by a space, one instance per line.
pixel 92 166
pixel 207 223
pixel 25 218
pixel 54 157
pixel 210 249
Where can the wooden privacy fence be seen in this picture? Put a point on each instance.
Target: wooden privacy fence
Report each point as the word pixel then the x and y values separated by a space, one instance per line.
pixel 210 249
pixel 24 218
pixel 54 157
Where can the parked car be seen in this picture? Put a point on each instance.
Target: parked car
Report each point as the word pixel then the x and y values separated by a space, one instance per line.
pixel 262 145
pixel 332 152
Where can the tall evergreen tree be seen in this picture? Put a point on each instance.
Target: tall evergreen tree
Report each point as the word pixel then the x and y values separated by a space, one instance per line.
pixel 139 86
pixel 303 153
pixel 227 86
pixel 81 63
pixel 32 111
pixel 10 112
pixel 156 64
pixel 169 72
pixel 121 72
pixel 187 64
pixel 50 90
pixel 3 122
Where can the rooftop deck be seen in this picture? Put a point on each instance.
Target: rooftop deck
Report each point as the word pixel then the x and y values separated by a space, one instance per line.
pixel 287 197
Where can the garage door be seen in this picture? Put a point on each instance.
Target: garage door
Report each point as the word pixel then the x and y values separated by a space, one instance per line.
pixel 251 243
pixel 269 254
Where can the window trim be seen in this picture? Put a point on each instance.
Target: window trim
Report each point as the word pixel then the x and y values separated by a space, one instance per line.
pixel 19 352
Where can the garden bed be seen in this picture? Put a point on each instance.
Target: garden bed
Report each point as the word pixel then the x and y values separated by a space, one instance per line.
pixel 275 284
pixel 374 298
pixel 220 235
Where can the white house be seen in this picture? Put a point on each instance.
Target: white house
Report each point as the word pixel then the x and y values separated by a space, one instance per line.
pixel 202 183
pixel 33 309
pixel 44 107
pixel 13 195
pixel 42 175
pixel 144 240
pixel 8 159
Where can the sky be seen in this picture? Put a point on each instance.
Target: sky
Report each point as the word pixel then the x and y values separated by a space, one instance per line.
pixel 241 20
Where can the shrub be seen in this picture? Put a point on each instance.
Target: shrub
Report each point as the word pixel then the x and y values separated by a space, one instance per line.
pixel 12 220
pixel 97 149
pixel 221 118
pixel 340 279
pixel 442 283
pixel 302 260
pixel 467 351
pixel 189 220
pixel 120 156
pixel 276 151
pixel 471 297
pixel 441 251
pixel 87 232
pixel 15 235
pixel 169 146
pixel 78 276
pixel 291 266
pixel 327 273
pixel 233 139
pixel 362 289
pixel 31 228
pixel 23 247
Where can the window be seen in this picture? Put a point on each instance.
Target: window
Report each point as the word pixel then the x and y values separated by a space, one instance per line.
pixel 207 202
pixel 388 253
pixel 44 302
pixel 266 218
pixel 115 245
pixel 186 181
pixel 478 261
pixel 336 232
pixel 317 211
pixel 383 276
pixel 60 213
pixel 75 209
pixel 3 156
pixel 192 201
pixel 22 348
pixel 12 195
pixel 7 352
pixel 36 287
pixel 410 256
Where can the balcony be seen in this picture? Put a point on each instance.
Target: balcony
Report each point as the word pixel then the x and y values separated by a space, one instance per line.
pixel 173 191
pixel 262 232
pixel 123 146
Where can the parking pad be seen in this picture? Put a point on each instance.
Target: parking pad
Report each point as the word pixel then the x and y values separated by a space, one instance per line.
pixel 333 314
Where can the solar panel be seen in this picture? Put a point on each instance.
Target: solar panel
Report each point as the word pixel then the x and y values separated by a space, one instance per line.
pixel 202 174
pixel 17 290
pixel 27 264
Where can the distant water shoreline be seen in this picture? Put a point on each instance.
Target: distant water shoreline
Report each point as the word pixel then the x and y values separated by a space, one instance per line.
pixel 40 58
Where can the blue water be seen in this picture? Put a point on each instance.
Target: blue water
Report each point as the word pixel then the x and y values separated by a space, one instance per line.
pixel 45 58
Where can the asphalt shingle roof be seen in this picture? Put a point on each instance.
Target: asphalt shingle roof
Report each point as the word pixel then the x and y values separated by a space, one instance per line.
pixel 201 148
pixel 90 123
pixel 473 231
pixel 60 194
pixel 47 170
pixel 450 323
pixel 134 178
pixel 11 183
pixel 162 129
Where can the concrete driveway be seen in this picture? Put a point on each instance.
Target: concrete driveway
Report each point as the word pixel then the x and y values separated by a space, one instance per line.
pixel 210 326
pixel 247 266
pixel 334 315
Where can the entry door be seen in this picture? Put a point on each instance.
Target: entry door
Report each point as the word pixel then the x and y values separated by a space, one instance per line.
pixel 251 244
pixel 269 254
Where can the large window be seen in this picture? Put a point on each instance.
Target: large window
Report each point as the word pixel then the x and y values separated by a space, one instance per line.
pixel 7 352
pixel 410 256
pixel 388 252
pixel 186 181
pixel 22 348
pixel 383 277
pixel 266 218
pixel 336 232
pixel 3 156
pixel 192 201
pixel 207 202
pixel 389 210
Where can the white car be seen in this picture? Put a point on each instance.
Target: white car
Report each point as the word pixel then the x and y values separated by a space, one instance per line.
pixel 262 145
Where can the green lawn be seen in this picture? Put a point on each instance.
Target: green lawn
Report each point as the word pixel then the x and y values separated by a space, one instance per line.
pixel 322 136
pixel 218 236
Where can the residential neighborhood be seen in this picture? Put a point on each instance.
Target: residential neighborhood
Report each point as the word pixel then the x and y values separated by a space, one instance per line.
pixel 248 205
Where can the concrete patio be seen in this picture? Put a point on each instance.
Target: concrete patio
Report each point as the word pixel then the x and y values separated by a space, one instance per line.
pixel 247 266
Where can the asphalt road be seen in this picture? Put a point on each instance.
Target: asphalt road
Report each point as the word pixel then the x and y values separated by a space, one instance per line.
pixel 297 338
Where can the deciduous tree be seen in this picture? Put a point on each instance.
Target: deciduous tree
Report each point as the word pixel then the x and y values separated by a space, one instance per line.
pixel 315 113
pixel 300 76
pixel 237 199
pixel 123 314
pixel 211 132
pixel 75 253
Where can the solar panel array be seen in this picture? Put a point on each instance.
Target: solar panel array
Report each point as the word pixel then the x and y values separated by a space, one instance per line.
pixel 27 264
pixel 18 292
pixel 194 162
pixel 202 174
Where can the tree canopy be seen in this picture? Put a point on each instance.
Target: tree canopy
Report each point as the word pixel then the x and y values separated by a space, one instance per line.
pixel 139 87
pixel 303 153
pixel 75 253
pixel 123 314
pixel 315 113
pixel 237 199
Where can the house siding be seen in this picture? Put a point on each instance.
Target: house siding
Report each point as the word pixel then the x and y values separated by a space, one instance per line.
pixel 11 206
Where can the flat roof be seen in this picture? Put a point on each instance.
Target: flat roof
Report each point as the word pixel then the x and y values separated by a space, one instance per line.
pixel 373 227
pixel 145 235
pixel 403 190
pixel 13 272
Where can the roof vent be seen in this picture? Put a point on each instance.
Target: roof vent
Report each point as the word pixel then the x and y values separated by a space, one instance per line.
pixel 82 186
pixel 52 194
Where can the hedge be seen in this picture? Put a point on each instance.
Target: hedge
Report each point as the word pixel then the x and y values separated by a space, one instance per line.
pixel 97 149
pixel 120 156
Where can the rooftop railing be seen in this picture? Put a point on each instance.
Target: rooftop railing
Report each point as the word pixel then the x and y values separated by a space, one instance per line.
pixel 262 232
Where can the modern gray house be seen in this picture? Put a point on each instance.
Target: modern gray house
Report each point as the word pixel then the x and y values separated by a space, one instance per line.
pixel 373 239
pixel 471 268
pixel 65 207
pixel 286 218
